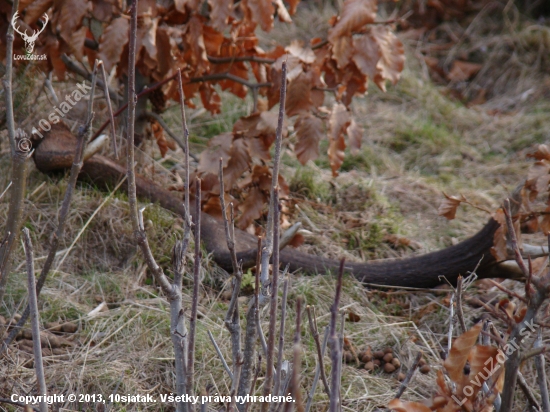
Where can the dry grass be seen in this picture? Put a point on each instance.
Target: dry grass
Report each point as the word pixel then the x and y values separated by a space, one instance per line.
pixel 417 144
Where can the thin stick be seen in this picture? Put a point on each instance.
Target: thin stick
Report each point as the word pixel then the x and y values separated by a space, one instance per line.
pixel 109 109
pixel 541 375
pixel 459 310
pixel 273 305
pixel 318 371
pixel 8 81
pixel 335 352
pixel 451 323
pixel 524 386
pixel 513 238
pixel 82 137
pixel 35 318
pixel 196 285
pixel 409 375
pixel 268 245
pixel 220 355
pixel 296 360
pixel 315 333
pixel 280 349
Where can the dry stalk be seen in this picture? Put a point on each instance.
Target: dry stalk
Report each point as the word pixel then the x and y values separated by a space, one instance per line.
pixel 195 298
pixel 320 350
pixel 541 375
pixel 319 371
pixel 268 383
pixel 19 165
pixel 409 375
pixel 268 247
pixel 280 351
pixel 335 347
pixel 459 310
pixel 184 366
pixel 35 319
pixel 537 296
pixel 296 360
pixel 109 109
pixel 83 137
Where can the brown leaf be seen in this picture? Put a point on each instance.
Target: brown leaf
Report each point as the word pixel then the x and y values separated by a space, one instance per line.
pixel 218 146
pixel 69 20
pixel 392 61
pixel 298 94
pixel 257 124
pixel 479 360
pixel 103 10
pixel 355 14
pixel 220 10
pixel 545 222
pixel 462 71
pixel 458 355
pixel 261 12
pixel 542 152
pixel 366 54
pixel 252 207
pixel 112 42
pixel 297 241
pixel 36 9
pixel 210 98
pixel 499 249
pixel 309 132
pixel 353 317
pixel 338 123
pixel 162 143
pixel 293 5
pixel 342 51
pixel 239 162
pixel 297 49
pixel 355 135
pixel 398 405
pixel 448 206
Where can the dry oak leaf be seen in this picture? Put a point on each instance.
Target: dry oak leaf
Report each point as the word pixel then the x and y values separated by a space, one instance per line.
pixel 239 162
pixel 448 206
pixel 298 94
pixel 297 49
pixel 69 19
pixel 338 123
pixel 162 143
pixel 282 12
pixel 462 71
pixel 542 152
pixel 460 350
pixel 112 42
pixel 309 132
pixel 36 9
pixel 479 359
pixel 398 405
pixel 103 10
pixel 355 14
pixel 252 207
pixel 355 135
pixel 392 60
pixel 366 54
pixel 220 10
pixel 218 147
pixel 261 12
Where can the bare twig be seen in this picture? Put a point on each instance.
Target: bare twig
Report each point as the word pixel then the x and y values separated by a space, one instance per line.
pixel 109 109
pixel 296 359
pixel 320 351
pixel 277 380
pixel 268 244
pixel 196 285
pixel 255 59
pixel 35 318
pixel 541 375
pixel 82 138
pixel 459 310
pixel 335 349
pixel 318 371
pixel 274 300
pixel 8 82
pixel 409 375
pixel 513 238
pixel 220 355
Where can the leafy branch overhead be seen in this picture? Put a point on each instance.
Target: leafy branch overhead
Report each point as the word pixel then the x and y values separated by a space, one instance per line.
pixel 216 43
